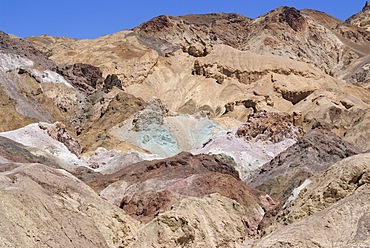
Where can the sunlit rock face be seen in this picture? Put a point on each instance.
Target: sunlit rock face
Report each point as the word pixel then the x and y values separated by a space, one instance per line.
pixel 56 210
pixel 45 137
pixel 31 88
pixel 284 31
pixel 208 221
pixel 233 81
pixel 361 19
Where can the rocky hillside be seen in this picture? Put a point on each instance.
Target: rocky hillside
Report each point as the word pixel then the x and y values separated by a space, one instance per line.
pixel 336 206
pixel 314 152
pixel 262 137
pixel 212 130
pixel 284 61
pixel 361 19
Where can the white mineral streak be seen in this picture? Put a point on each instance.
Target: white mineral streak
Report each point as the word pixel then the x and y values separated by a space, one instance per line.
pixel 296 192
pixel 33 136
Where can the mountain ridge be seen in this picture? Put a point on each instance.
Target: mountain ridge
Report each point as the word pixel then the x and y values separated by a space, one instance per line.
pixel 171 121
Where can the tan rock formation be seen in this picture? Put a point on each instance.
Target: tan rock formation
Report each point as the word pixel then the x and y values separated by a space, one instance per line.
pixel 361 19
pixel 10 117
pixel 359 134
pixel 44 42
pixel 227 80
pixel 341 180
pixel 334 111
pixel 343 224
pixel 45 207
pixel 104 112
pixel 125 54
pixel 210 221
pixel 231 77
pixel 284 31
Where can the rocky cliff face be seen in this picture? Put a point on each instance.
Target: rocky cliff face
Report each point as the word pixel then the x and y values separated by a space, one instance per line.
pixel 132 57
pixel 300 35
pixel 209 221
pixel 352 176
pixel 172 195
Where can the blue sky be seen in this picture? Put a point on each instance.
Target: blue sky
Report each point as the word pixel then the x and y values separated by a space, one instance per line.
pixel 93 18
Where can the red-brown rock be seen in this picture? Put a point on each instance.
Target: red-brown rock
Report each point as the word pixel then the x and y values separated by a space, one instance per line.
pixel 147 188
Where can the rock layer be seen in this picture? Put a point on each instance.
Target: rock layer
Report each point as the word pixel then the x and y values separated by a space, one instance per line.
pixel 210 221
pixel 147 188
pixel 330 211
pixel 344 224
pixel 351 176
pixel 314 152
pixel 361 19
pixel 279 62
pixel 262 137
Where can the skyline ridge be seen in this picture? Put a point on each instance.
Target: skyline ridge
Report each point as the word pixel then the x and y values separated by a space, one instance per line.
pixel 93 19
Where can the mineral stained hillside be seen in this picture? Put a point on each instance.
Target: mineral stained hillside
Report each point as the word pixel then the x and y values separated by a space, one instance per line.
pixel 213 130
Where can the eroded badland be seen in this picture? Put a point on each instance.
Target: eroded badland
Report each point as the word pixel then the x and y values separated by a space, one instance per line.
pixel 211 130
